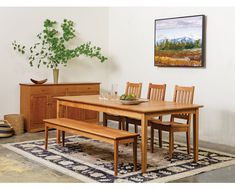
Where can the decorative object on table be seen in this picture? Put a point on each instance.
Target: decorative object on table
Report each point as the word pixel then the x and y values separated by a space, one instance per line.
pixel 114 91
pixel 92 161
pixel 16 121
pixel 52 49
pixel 131 88
pixel 179 41
pixel 131 99
pixel 130 102
pixel 133 102
pixel 128 97
pixel 38 81
pixel 6 129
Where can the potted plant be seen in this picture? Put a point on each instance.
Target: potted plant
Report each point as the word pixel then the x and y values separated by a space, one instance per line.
pixel 52 49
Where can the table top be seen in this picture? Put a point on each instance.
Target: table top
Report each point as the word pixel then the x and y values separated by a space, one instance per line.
pixel 144 107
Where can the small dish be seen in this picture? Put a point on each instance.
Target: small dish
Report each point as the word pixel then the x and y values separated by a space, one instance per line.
pixel 38 81
pixel 133 102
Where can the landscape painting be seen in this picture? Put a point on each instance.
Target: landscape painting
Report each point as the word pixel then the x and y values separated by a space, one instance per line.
pixel 179 42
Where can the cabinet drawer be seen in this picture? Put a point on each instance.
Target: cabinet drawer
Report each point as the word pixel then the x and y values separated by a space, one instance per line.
pixel 60 89
pixel 83 89
pixel 42 90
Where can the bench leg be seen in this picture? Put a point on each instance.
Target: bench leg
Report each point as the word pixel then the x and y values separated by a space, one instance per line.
pixel 63 136
pixel 115 163
pixel 46 137
pixel 135 153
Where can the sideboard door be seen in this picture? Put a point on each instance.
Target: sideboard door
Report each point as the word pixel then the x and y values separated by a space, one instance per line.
pixel 37 102
pixel 38 112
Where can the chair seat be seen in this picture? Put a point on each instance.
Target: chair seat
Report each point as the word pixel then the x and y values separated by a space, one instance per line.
pixel 168 123
pixel 114 117
pixel 137 121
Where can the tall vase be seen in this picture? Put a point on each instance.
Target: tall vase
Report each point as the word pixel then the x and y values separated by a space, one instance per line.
pixel 56 75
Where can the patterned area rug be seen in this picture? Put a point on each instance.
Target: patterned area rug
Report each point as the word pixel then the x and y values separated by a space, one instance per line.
pixel 92 161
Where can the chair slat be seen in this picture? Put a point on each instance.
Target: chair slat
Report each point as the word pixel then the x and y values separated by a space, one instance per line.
pixel 183 95
pixel 134 88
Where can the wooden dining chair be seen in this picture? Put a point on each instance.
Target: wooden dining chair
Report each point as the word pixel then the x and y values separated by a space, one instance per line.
pixel 131 88
pixel 155 92
pixel 181 95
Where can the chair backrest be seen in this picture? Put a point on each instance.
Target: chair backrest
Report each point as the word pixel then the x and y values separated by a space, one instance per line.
pixel 156 92
pixel 133 88
pixel 183 95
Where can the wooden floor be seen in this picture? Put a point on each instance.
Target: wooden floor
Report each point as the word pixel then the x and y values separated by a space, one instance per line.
pixel 16 168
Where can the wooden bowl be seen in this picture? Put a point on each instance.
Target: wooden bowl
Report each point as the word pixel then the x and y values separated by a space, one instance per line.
pixel 38 81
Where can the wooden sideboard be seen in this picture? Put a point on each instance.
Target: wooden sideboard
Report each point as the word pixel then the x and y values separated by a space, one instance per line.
pixel 37 102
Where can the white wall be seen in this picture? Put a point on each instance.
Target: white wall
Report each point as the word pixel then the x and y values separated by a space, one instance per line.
pixel 131 38
pixel 23 24
pixel 126 35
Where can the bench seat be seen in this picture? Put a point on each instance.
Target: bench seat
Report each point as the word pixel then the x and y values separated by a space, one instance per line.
pixel 93 131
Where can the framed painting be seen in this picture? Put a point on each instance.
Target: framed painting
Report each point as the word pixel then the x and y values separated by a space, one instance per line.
pixel 179 41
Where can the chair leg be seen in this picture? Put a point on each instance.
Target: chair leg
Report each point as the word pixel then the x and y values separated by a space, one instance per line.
pixel 123 125
pixel 160 138
pixel 136 128
pixel 63 137
pixel 152 140
pixel 46 137
pixel 115 163
pixel 170 144
pixel 120 124
pixel 105 121
pixel 188 140
pixel 135 153
pixel 127 126
pixel 58 136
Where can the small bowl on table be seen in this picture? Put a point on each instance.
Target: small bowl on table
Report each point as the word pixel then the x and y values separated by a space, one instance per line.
pixel 131 102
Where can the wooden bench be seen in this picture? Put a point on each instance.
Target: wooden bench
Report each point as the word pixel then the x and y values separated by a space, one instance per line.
pixel 93 131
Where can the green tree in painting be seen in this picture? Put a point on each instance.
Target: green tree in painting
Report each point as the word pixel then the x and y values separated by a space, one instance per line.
pixel 174 45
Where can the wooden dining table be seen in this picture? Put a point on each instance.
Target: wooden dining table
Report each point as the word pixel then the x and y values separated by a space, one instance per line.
pixel 143 111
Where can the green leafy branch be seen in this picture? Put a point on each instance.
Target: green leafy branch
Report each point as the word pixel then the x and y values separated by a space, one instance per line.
pixel 51 50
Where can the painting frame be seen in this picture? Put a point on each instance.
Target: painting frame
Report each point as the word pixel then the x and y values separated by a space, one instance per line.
pixel 196 55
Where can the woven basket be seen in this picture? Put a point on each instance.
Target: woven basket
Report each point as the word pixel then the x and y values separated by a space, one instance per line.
pixel 5 129
pixel 16 121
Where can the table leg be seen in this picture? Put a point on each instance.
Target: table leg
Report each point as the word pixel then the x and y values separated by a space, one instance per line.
pixel 46 137
pixel 195 134
pixel 58 115
pixel 115 162
pixel 144 141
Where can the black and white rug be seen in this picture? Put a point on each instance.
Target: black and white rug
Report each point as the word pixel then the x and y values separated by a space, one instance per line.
pixel 92 161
